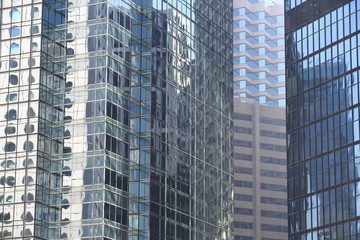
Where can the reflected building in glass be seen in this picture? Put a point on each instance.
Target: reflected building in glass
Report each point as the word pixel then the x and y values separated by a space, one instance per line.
pixel 260 180
pixel 116 119
pixel 322 84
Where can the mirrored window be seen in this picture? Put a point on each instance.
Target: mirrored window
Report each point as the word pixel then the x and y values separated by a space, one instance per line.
pixel 14 48
pixel 15 15
pixel 14 32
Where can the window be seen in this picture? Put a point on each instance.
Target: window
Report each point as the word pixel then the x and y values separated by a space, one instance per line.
pixel 31 112
pixel 10 130
pixel 14 32
pixel 273 214
pixel 31 62
pixel 243 197
pixel 28 217
pixel 244 157
pixel 36 13
pixel 29 197
pixel 274 228
pixel 15 15
pixel 9 147
pixel 35 30
pixel 11 115
pixel 272 147
pixel 244 225
pixel 14 48
pixel 243 170
pixel 271 19
pixel 29 128
pixel 243 211
pixel 12 97
pixel 245 184
pixel 273 187
pixel 13 79
pixel 239 11
pixel 28 162
pixel 31 79
pixel 244 117
pixel 242 143
pixel 273 174
pixel 28 180
pixel 239 47
pixel 274 201
pixel 28 146
pixel 13 63
pixel 243 130
pixel 272 134
pixel 8 164
pixel 34 46
pixel 239 237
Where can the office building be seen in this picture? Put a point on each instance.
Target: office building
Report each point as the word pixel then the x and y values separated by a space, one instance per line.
pixel 260 182
pixel 260 188
pixel 116 119
pixel 322 84
pixel 259 52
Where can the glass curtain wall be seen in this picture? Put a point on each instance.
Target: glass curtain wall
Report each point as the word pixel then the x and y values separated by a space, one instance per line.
pixel 116 119
pixel 322 77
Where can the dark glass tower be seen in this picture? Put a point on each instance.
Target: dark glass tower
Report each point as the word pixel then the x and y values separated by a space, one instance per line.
pixel 260 180
pixel 322 83
pixel 116 119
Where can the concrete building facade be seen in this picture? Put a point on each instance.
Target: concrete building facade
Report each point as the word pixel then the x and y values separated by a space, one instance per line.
pixel 260 183
pixel 260 172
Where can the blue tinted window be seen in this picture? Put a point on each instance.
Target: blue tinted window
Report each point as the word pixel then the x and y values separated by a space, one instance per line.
pixel 15 15
pixel 14 48
pixel 14 32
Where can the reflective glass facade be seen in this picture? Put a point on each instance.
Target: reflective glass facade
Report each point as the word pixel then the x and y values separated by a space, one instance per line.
pixel 293 3
pixel 259 51
pixel 116 119
pixel 322 83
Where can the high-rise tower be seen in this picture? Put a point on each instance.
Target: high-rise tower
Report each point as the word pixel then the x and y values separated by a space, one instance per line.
pixel 260 182
pixel 259 51
pixel 322 83
pixel 116 119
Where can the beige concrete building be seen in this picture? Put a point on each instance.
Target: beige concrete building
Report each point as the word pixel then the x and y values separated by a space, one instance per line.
pixel 260 172
pixel 259 52
pixel 259 120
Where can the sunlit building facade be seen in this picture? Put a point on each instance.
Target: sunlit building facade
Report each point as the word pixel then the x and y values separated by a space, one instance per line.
pixel 116 119
pixel 259 51
pixel 260 180
pixel 322 84
pixel 260 183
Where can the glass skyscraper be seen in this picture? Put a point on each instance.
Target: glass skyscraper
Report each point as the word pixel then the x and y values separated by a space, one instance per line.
pixel 322 84
pixel 116 119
